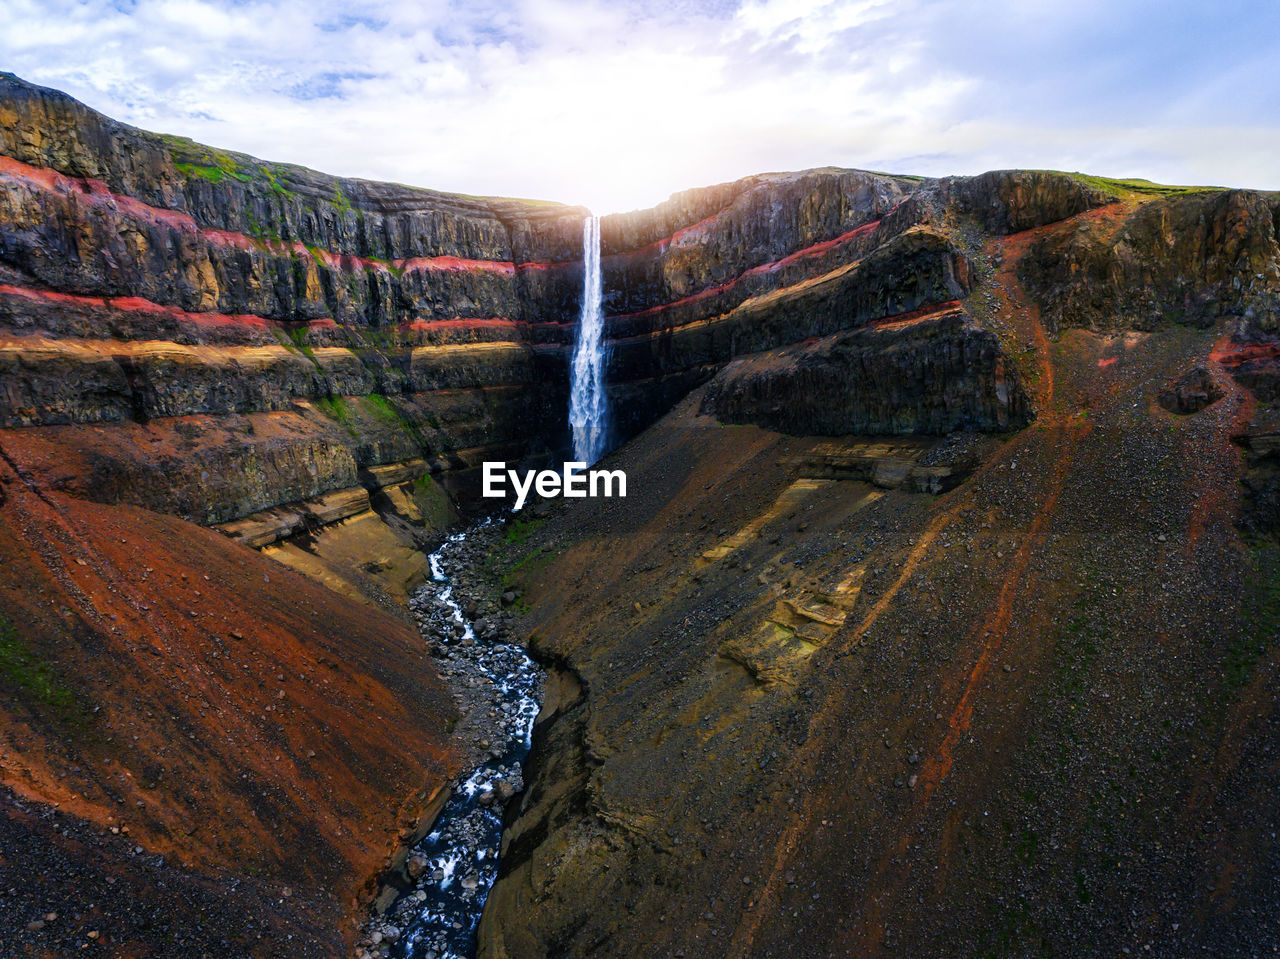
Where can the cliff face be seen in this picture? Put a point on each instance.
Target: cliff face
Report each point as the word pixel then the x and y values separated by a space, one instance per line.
pixel 167 280
pixel 968 695
pixel 188 291
pixel 316 365
pixel 1191 259
pixel 936 373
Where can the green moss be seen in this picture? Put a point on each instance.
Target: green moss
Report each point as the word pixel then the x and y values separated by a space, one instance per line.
pixel 341 202
pixel 214 174
pixel 434 503
pixel 531 563
pixel 336 408
pixel 383 409
pixel 22 670
pixel 523 571
pixel 1135 188
pixel 298 338
pixel 272 174
pixel 253 225
pixel 520 529
pixel 193 159
pixel 382 338
pixel 386 263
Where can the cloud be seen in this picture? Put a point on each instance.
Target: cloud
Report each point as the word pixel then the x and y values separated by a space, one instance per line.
pixel 617 104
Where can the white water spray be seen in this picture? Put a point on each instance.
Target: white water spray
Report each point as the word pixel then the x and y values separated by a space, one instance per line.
pixel 588 402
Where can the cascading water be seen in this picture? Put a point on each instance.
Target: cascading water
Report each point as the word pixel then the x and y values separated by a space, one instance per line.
pixel 588 402
pixel 453 867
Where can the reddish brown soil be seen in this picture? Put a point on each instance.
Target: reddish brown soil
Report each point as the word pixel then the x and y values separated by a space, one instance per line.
pixel 236 717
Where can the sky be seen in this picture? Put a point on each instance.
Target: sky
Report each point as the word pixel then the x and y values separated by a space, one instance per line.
pixel 615 105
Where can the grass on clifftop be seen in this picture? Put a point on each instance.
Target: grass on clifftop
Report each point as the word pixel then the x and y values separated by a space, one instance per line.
pixel 1135 188
pixel 193 159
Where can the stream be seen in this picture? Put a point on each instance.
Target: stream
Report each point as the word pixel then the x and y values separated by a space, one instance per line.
pixel 454 866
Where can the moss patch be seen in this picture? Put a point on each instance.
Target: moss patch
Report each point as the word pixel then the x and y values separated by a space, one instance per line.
pixel 298 340
pixel 273 175
pixel 520 529
pixel 25 672
pixel 193 159
pixel 383 410
pixel 336 408
pixel 1135 188
pixel 433 502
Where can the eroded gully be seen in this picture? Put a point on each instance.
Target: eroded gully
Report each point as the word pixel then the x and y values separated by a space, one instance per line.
pixel 451 870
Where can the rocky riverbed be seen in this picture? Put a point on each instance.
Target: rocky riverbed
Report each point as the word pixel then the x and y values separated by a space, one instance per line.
pixel 499 688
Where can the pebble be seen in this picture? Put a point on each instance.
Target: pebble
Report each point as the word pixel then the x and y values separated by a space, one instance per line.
pixel 494 724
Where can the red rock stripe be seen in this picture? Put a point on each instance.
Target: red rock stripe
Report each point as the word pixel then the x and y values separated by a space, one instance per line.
pixel 459 322
pixel 816 249
pixel 1234 355
pixel 95 193
pixel 658 247
pixel 482 322
pixel 134 304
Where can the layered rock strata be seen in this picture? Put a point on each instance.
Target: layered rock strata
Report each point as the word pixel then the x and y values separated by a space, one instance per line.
pixel 822 714
pixel 936 373
pixel 172 281
pixel 168 280
pixel 319 365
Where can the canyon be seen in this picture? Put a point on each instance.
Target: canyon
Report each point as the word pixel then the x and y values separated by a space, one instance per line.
pixel 940 616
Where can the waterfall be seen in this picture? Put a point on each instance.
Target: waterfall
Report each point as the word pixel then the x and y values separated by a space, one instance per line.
pixel 588 402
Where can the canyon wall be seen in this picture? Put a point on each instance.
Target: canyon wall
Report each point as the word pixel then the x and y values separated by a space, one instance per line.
pixel 289 330
pixel 186 291
pixel 994 693
pixel 316 367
